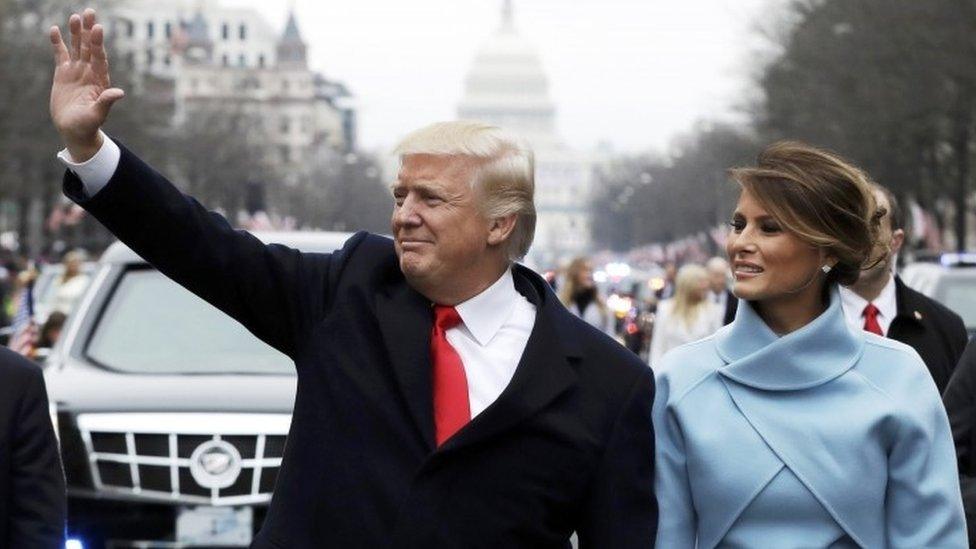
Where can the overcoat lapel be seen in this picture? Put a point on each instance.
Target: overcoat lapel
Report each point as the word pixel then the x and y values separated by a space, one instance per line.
pixel 405 321
pixel 543 373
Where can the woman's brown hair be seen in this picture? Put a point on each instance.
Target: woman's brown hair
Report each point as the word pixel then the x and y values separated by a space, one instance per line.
pixel 823 199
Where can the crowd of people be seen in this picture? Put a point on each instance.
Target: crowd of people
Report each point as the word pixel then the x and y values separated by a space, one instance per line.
pixel 31 320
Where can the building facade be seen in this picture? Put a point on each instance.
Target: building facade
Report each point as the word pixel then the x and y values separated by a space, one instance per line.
pixel 231 58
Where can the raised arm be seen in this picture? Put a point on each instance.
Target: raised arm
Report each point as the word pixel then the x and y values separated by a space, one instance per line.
pixel 276 292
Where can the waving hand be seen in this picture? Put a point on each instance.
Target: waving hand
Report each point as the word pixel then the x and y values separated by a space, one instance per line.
pixel 81 94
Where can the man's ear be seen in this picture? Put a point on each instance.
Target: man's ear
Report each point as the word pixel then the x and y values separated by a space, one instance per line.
pixel 897 241
pixel 500 229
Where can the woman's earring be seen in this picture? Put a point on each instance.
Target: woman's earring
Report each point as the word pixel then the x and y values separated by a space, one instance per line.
pixel 826 269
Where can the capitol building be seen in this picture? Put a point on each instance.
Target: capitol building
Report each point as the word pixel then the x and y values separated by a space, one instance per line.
pixel 507 86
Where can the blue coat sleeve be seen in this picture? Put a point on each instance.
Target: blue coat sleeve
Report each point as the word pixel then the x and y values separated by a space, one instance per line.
pixel 677 522
pixel 923 504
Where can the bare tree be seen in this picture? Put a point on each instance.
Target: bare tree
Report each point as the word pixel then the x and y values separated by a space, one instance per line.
pixel 889 83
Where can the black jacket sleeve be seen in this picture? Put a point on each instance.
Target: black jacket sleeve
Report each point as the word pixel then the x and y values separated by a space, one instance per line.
pixel 960 403
pixel 37 507
pixel 276 292
pixel 621 511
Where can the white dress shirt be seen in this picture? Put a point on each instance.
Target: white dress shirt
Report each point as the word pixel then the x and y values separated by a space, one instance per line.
pixel 97 170
pixel 495 323
pixel 886 303
pixel 494 332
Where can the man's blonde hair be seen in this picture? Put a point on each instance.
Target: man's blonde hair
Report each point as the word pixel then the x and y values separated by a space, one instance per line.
pixel 504 173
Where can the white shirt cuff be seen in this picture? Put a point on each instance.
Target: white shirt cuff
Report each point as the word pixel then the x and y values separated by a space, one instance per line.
pixel 95 172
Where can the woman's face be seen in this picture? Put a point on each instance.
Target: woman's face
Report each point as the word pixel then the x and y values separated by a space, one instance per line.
pixel 701 290
pixel 72 266
pixel 584 276
pixel 768 261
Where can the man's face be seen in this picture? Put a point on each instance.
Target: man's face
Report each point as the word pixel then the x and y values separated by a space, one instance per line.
pixel 438 229
pixel 584 278
pixel 717 278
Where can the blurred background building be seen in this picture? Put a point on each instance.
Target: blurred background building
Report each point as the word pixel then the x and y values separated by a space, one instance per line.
pixel 507 86
pixel 213 55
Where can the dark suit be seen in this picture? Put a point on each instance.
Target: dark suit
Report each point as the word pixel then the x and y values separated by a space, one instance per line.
pixel 567 446
pixel 960 403
pixel 935 332
pixel 32 496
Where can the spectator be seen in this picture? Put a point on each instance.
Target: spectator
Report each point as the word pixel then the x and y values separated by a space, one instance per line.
pixel 718 280
pixel 688 316
pixel 581 296
pixel 881 303
pixel 72 283
pixel 667 290
pixel 51 330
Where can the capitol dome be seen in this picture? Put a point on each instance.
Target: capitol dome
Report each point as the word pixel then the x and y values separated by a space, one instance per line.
pixel 507 85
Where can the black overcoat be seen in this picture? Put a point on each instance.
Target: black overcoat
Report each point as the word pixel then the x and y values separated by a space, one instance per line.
pixel 32 491
pixel 929 327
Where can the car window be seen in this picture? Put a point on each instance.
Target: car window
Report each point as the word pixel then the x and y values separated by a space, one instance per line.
pixel 153 326
pixel 959 294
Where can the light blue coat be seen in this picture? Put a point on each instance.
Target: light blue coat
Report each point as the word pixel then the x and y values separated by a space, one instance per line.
pixel 827 436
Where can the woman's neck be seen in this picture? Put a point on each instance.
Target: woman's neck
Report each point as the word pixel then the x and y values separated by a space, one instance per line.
pixel 785 314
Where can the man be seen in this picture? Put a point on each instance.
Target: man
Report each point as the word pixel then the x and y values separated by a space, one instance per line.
pixel 881 303
pixel 718 284
pixel 667 290
pixel 32 493
pixel 445 397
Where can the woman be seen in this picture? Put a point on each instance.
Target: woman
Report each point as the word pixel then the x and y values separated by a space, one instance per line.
pixel 688 316
pixel 580 296
pixel 787 428
pixel 71 284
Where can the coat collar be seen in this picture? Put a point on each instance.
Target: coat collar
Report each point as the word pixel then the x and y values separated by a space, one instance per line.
pixel 815 354
pixel 543 373
pixel 484 314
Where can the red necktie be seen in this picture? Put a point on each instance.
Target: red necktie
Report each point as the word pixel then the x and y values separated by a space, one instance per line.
pixel 451 407
pixel 870 315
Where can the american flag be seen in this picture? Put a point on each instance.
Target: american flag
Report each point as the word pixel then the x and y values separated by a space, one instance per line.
pixel 24 329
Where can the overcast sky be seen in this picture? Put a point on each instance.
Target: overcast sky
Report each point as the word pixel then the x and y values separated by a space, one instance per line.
pixel 634 73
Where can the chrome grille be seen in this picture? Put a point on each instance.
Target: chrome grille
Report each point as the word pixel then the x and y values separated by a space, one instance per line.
pixel 151 456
